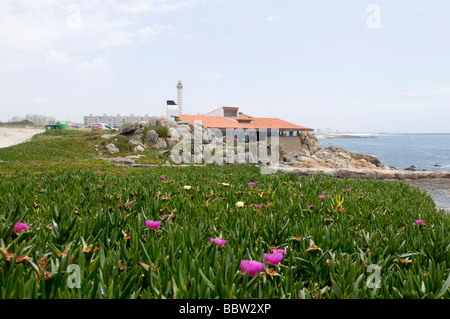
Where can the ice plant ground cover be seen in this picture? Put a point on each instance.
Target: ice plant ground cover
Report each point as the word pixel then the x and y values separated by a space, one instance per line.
pixel 330 244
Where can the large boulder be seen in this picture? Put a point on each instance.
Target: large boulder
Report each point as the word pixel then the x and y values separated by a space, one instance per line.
pixel 371 159
pixel 151 138
pixel 132 128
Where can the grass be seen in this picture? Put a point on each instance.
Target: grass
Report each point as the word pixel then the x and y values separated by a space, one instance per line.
pixel 74 145
pixel 93 216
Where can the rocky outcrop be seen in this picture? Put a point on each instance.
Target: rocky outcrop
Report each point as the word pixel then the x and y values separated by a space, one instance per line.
pixel 195 143
pixel 311 155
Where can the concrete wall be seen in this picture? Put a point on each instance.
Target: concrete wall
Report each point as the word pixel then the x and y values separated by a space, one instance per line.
pixel 218 112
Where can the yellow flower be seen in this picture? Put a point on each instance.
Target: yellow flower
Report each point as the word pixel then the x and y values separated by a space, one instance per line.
pixel 240 204
pixel 225 184
pixel 187 187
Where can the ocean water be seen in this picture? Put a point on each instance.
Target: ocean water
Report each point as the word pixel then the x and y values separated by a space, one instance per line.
pixel 425 151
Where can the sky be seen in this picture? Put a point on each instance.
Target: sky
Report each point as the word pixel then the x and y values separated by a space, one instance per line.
pixel 349 65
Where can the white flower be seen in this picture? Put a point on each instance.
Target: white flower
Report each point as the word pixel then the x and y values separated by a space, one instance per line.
pixel 240 204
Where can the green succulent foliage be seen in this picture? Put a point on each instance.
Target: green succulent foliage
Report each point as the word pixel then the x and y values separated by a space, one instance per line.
pixel 88 220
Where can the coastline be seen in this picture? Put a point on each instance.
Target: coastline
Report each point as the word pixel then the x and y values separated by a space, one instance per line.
pixel 347 135
pixel 438 188
pixel 434 183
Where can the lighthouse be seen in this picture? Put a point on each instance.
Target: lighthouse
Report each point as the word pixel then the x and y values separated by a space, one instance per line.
pixel 180 96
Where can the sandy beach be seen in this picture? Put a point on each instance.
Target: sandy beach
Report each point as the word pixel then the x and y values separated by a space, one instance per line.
pixel 15 135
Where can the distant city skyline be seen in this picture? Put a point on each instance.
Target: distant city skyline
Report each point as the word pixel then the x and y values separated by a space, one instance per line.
pixel 359 66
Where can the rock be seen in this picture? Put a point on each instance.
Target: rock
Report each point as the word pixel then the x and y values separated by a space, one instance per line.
pixel 172 133
pixel 371 159
pixel 112 148
pixel 138 148
pixel 264 161
pixel 170 124
pixel 334 148
pixel 120 160
pixel 436 174
pixel 385 174
pixel 161 143
pixel 108 136
pixel 184 132
pixel 133 141
pixel 171 142
pixel 137 136
pixel 163 122
pixel 411 168
pixel 154 121
pixel 131 128
pixel 151 138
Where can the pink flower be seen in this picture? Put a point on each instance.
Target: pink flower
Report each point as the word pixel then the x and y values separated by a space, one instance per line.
pixel 162 177
pixel 20 228
pixel 273 259
pixel 280 251
pixel 322 197
pixel 219 242
pixel 251 184
pixel 419 222
pixel 168 216
pixel 99 186
pixel 258 206
pixel 152 224
pixel 252 266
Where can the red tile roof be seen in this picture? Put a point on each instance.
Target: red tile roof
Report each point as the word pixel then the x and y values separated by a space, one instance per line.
pixel 257 123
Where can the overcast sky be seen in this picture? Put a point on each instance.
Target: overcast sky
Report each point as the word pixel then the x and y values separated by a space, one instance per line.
pixel 350 65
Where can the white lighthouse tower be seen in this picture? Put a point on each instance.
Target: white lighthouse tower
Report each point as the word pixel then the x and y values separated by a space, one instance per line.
pixel 180 96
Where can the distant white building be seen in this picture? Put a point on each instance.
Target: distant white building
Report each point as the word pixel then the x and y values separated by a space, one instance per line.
pixel 36 119
pixel 114 121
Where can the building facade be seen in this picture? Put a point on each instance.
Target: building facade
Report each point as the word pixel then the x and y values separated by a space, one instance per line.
pixel 228 120
pixel 114 121
pixel 36 119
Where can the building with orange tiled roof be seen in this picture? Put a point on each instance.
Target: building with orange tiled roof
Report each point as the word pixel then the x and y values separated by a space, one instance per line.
pixel 242 126
pixel 227 117
pixel 228 120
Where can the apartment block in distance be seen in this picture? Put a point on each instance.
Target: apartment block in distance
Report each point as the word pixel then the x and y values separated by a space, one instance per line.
pixel 114 121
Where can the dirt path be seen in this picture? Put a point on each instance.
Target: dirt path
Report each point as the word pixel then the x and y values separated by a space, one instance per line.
pixel 13 135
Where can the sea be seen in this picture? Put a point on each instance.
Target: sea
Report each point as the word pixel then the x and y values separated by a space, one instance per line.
pixel 429 152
